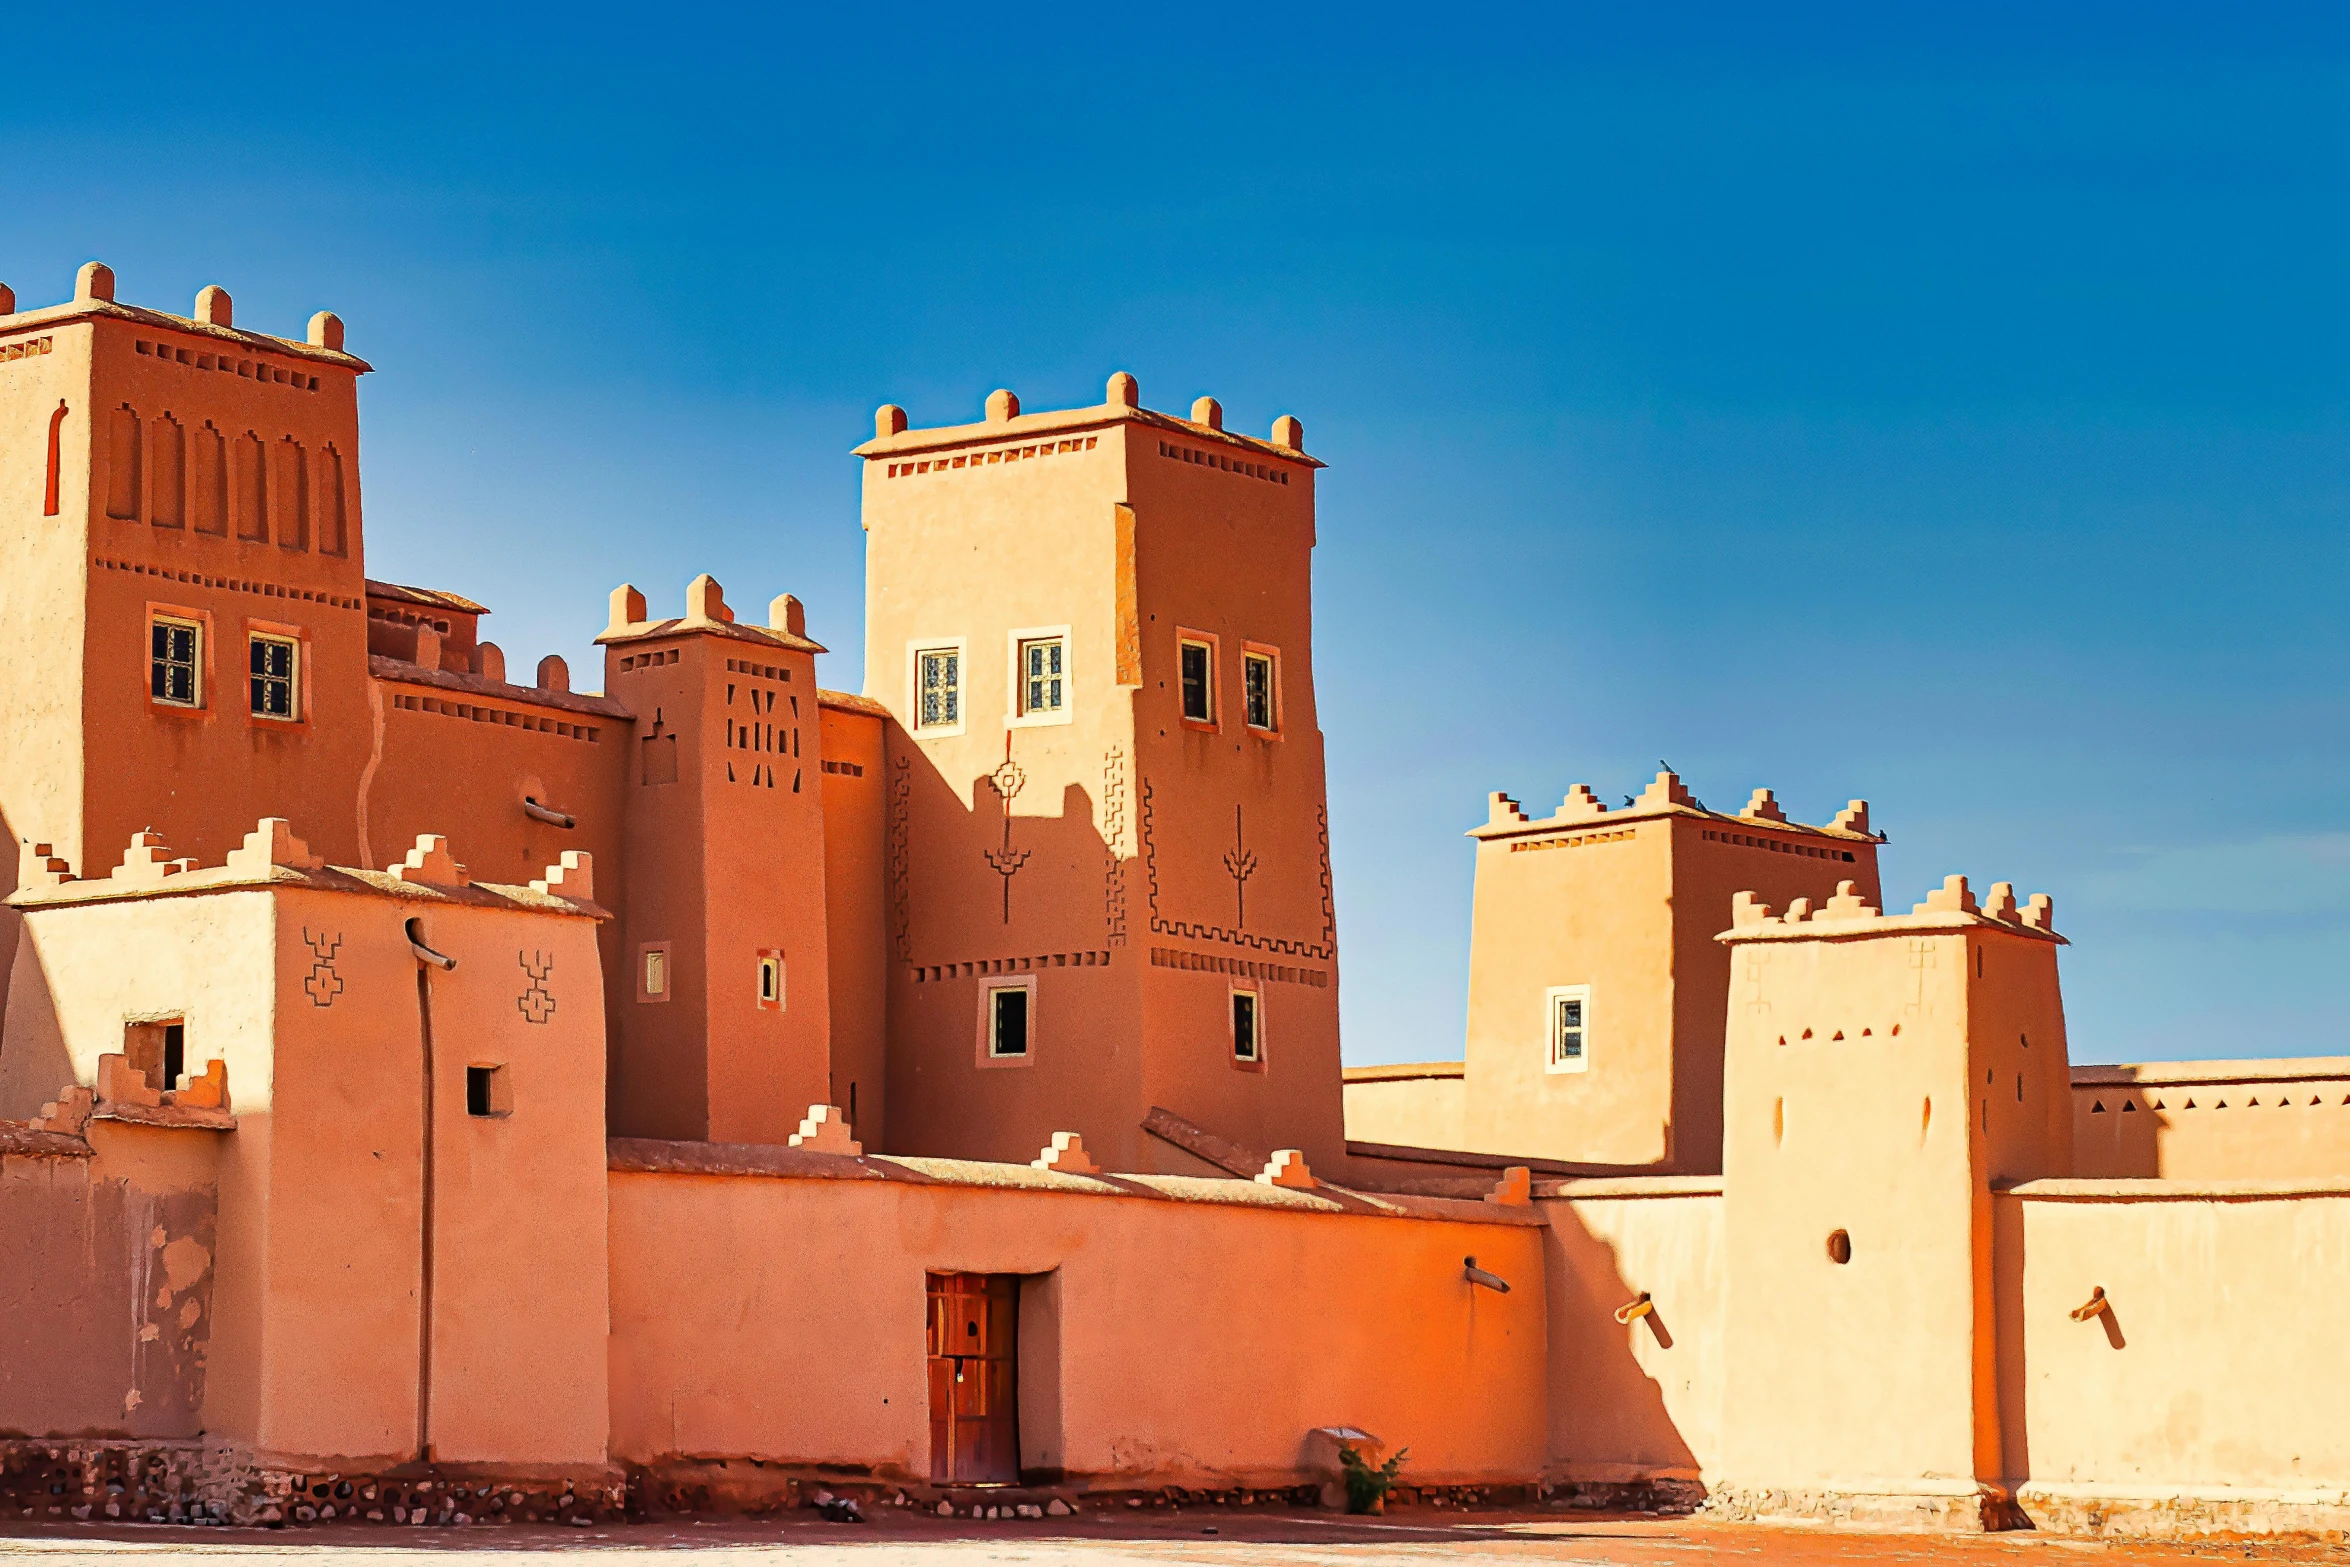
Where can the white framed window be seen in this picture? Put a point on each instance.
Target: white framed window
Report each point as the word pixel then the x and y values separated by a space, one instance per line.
pixel 1040 686
pixel 935 673
pixel 1248 1029
pixel 1260 688
pixel 1195 670
pixel 770 992
pixel 276 676
pixel 1007 1021
pixel 1569 1025
pixel 175 661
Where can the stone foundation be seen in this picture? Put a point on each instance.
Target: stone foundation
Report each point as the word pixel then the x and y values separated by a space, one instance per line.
pixel 1962 1508
pixel 198 1483
pixel 2104 1513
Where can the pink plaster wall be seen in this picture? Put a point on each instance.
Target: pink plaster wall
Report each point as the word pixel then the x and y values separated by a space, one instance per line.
pixel 1198 1342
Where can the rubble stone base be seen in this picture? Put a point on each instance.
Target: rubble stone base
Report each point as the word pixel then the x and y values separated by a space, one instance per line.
pixel 203 1483
pixel 2103 1513
pixel 1976 1509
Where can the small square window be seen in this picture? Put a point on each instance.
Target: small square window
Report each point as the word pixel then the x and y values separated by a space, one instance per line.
pixel 653 973
pixel 1248 1038
pixel 1570 1028
pixel 1041 675
pixel 938 698
pixel 274 666
pixel 1198 669
pixel 1256 687
pixel 771 981
pixel 175 663
pixel 487 1091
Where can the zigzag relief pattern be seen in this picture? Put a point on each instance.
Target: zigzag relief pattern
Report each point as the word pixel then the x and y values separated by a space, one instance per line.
pixel 1326 949
pixel 901 791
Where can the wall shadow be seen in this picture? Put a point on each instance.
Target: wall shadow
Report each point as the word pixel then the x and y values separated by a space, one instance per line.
pixel 1611 1423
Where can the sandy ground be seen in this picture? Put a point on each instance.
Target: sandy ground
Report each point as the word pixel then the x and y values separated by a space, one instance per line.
pixel 1300 1538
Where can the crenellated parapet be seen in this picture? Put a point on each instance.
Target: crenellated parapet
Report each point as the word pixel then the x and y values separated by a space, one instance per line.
pixel 1665 795
pixel 1951 906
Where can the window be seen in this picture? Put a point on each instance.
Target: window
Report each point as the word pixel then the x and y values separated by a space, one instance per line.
pixel 653 972
pixel 1006 1036
pixel 1248 1040
pixel 1040 675
pixel 771 981
pixel 1256 690
pixel 1570 1028
pixel 487 1091
pixel 157 1051
pixel 174 662
pixel 938 696
pixel 273 677
pixel 1198 669
pixel 1007 1021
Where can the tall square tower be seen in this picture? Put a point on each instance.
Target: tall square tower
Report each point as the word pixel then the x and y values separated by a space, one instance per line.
pixel 1107 833
pixel 180 570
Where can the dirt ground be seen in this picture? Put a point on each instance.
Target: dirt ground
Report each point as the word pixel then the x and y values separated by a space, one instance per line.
pixel 1299 1538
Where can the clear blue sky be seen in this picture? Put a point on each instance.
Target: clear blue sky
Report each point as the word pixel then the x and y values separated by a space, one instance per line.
pixel 1946 407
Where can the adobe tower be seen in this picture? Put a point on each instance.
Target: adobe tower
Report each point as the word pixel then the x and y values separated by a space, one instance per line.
pixel 1108 848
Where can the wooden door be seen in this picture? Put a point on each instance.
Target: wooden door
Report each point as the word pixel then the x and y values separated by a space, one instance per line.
pixel 974 1378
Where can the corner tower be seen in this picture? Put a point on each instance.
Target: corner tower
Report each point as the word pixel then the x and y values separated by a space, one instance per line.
pixel 1108 843
pixel 1882 1073
pixel 180 578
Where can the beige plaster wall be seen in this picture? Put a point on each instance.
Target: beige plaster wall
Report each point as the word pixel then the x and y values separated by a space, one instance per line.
pixel 1198 1343
pixel 2217 1367
pixel 1385 1106
pixel 1644 1400
pixel 2284 1119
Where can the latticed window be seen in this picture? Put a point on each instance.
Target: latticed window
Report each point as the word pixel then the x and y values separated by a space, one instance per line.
pixel 1570 1028
pixel 1256 688
pixel 173 648
pixel 273 677
pixel 1197 667
pixel 939 676
pixel 1040 675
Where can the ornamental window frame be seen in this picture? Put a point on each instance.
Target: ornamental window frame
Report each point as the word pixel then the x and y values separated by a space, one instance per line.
pixel 1560 1036
pixel 199 625
pixel 1019 712
pixel 959 688
pixel 1211 647
pixel 296 680
pixel 1253 657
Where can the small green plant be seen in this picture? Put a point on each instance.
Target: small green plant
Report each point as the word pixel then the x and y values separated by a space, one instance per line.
pixel 1366 1487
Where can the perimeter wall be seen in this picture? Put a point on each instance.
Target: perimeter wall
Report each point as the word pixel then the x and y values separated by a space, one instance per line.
pixel 1184 1332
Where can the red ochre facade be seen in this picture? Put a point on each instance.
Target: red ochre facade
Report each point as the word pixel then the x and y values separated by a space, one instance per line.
pixel 418 1076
